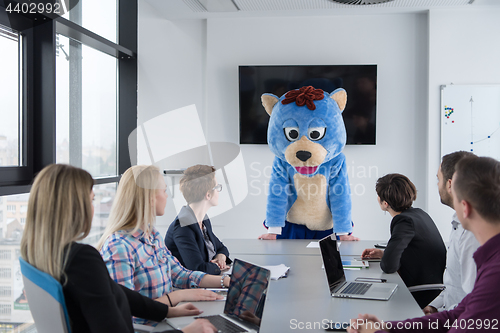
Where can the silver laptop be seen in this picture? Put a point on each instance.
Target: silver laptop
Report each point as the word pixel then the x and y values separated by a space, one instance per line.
pixel 339 287
pixel 245 299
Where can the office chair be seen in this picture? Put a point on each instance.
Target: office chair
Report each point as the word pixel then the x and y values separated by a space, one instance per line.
pixel 426 293
pixel 431 286
pixel 46 302
pixel 45 299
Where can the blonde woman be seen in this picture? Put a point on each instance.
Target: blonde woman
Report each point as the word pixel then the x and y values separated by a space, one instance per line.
pixel 60 213
pixel 190 236
pixel 134 251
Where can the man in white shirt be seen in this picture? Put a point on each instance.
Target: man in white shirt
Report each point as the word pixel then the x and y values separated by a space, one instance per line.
pixel 460 273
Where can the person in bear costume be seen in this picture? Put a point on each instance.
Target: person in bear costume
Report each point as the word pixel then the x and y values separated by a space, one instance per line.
pixel 309 195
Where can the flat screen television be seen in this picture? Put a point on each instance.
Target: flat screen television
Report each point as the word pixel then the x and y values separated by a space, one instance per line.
pixel 360 82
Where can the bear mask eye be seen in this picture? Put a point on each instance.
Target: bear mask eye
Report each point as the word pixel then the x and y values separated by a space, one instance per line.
pixel 316 133
pixel 291 133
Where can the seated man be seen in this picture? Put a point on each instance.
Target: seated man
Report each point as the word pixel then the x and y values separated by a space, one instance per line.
pixel 475 189
pixel 460 272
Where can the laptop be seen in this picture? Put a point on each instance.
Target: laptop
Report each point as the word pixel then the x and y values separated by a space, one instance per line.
pixel 335 275
pixel 245 299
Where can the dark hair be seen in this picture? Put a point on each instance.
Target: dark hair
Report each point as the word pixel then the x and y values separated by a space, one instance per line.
pixel 449 162
pixel 196 182
pixel 477 181
pixel 397 190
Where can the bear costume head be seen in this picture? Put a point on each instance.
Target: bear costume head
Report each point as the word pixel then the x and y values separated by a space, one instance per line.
pixel 306 128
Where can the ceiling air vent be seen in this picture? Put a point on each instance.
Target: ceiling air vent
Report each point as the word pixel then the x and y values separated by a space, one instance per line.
pixel 361 2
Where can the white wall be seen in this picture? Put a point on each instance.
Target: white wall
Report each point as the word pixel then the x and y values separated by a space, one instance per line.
pixel 171 71
pixel 196 62
pixel 464 49
pixel 171 64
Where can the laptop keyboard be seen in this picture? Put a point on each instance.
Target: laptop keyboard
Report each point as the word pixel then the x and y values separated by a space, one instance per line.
pixel 224 325
pixel 355 288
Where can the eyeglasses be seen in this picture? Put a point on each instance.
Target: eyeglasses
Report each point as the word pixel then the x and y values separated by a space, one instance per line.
pixel 218 187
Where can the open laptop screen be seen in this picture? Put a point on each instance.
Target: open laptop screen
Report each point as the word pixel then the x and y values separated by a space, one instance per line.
pixel 332 261
pixel 247 291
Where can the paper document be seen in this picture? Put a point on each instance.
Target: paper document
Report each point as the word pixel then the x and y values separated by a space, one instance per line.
pixel 278 271
pixel 313 245
pixel 355 264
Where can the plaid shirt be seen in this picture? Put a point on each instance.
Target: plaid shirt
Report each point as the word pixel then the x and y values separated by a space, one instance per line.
pixel 144 264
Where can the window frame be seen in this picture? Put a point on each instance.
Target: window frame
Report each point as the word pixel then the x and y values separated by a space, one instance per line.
pixel 39 89
pixel 15 176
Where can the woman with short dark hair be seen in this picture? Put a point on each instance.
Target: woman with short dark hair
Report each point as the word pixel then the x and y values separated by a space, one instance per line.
pixel 190 236
pixel 415 250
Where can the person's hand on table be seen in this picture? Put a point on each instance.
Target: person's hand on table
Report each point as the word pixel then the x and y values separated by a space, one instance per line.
pixel 372 254
pixel 199 326
pixel 429 309
pixel 220 260
pixel 365 323
pixel 348 238
pixel 267 236
pixel 190 295
pixel 187 309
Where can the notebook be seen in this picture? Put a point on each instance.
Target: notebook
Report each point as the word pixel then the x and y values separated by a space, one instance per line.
pixel 335 275
pixel 245 299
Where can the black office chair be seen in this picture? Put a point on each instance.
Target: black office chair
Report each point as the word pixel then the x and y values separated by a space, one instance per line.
pixel 426 293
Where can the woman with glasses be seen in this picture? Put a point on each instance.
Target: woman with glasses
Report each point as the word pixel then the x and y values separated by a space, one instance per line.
pixel 134 251
pixel 190 236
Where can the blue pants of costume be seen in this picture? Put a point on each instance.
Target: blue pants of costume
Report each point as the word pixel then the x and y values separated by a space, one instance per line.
pixel 299 231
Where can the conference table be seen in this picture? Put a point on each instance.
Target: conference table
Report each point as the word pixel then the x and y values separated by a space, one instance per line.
pixel 302 300
pixel 292 247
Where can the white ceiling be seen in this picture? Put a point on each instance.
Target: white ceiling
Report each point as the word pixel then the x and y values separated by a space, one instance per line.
pixel 194 9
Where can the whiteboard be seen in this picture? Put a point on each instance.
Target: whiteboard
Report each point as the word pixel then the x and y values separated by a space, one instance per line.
pixel 470 119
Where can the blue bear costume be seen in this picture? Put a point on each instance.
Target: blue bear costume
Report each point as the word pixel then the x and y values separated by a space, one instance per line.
pixel 309 194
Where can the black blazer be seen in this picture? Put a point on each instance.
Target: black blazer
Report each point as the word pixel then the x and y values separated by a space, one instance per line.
pixel 185 240
pixel 95 302
pixel 415 250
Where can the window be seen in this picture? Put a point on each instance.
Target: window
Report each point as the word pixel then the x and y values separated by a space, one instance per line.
pixel 5 309
pixel 97 16
pixel 5 254
pixel 86 113
pixel 102 69
pixel 5 291
pixel 5 273
pixel 10 86
pixel 53 67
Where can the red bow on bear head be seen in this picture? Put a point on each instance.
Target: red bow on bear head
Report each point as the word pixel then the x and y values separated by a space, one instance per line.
pixel 304 96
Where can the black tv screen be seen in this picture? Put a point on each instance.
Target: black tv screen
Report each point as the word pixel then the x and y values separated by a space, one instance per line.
pixel 360 82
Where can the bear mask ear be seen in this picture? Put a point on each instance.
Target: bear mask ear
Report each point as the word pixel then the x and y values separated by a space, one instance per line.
pixel 340 96
pixel 268 101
